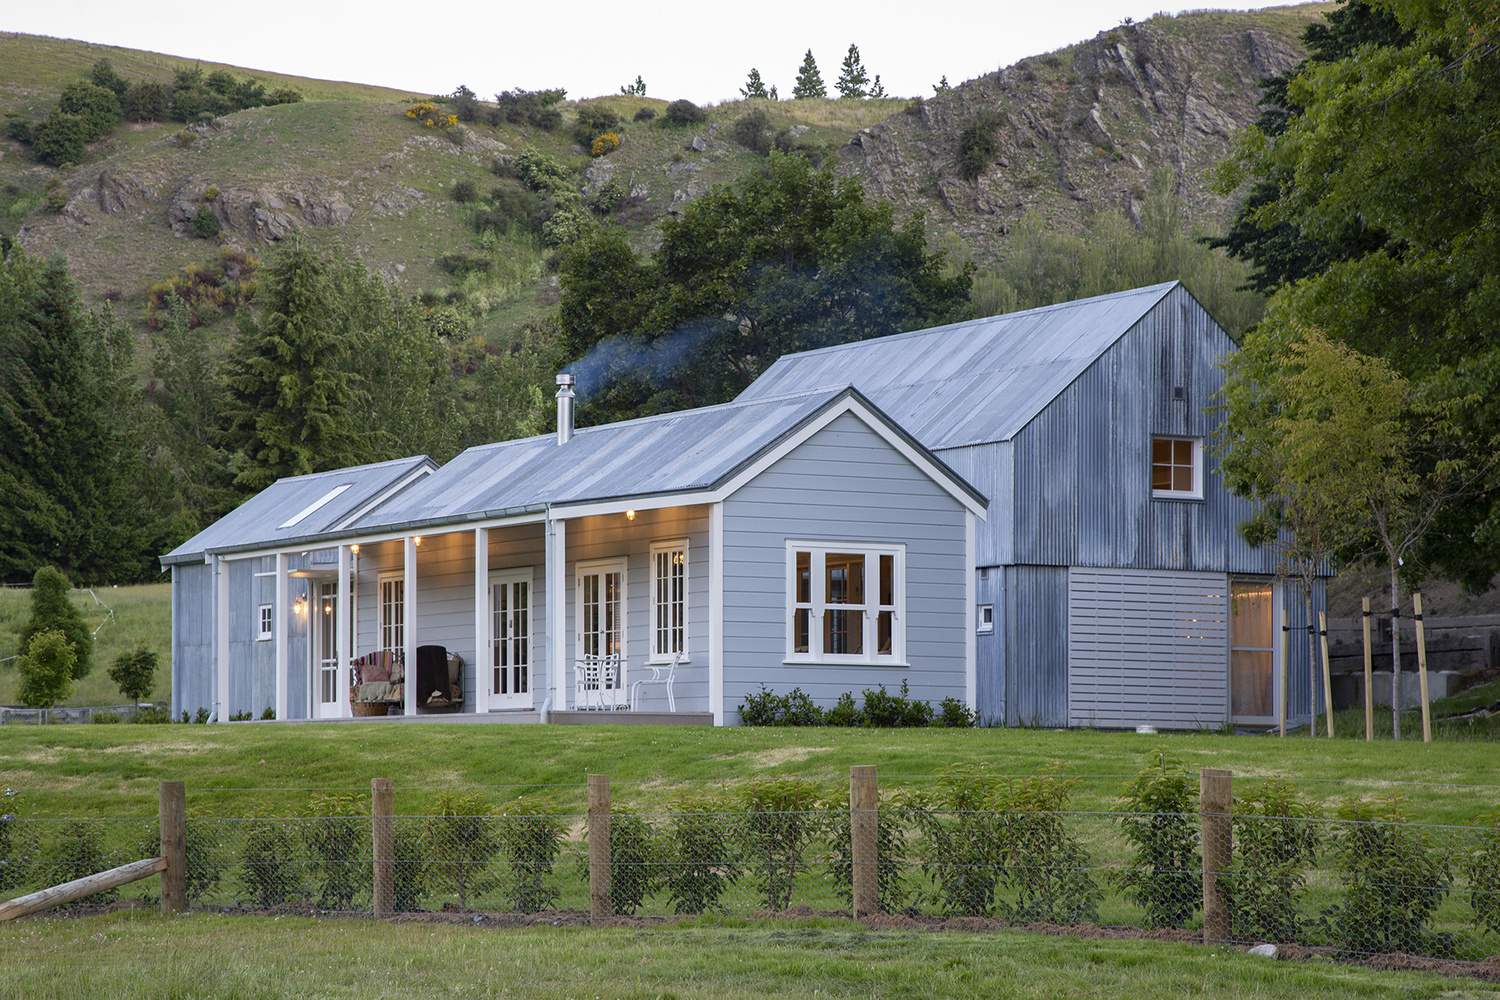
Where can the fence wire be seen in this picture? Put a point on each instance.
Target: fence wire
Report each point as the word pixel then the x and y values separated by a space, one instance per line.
pixel 1366 881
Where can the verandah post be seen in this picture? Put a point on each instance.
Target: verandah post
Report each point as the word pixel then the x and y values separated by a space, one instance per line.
pixel 382 843
pixel 172 817
pixel 1215 806
pixel 864 847
pixel 600 874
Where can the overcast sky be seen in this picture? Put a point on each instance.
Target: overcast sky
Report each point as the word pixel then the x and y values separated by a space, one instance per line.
pixel 702 52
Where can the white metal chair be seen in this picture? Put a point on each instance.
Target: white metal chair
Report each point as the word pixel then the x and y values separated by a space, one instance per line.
pixel 661 673
pixel 597 681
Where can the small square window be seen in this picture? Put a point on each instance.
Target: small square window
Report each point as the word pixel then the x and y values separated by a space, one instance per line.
pixel 986 618
pixel 1177 467
pixel 267 622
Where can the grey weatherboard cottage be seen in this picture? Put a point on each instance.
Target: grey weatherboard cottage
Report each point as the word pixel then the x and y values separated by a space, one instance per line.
pixel 1114 589
pixel 799 539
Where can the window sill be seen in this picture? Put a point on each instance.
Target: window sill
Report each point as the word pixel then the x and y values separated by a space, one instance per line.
pixel 1158 495
pixel 666 661
pixel 844 662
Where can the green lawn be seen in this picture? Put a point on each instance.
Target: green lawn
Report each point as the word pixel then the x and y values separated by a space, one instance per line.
pixel 240 769
pixel 142 956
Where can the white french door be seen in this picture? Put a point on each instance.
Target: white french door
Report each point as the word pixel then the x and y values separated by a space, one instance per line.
pixel 510 654
pixel 325 649
pixel 601 614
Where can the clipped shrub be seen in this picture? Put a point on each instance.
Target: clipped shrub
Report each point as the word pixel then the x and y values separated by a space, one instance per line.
pixel 531 832
pixel 1275 843
pixel 961 844
pixel 845 713
pixel 892 866
pixel 203 868
pixel 889 711
pixel 152 715
pixel 684 113
pixel 269 866
pixel 954 714
pixel 1047 868
pixel 205 224
pixel 778 822
pixel 408 871
pixel 104 718
pixel 1159 819
pixel 336 835
pixel 460 842
pixel 76 853
pixel 1393 879
pixel 1483 871
pixel 46 670
pixel 702 862
pixel 636 861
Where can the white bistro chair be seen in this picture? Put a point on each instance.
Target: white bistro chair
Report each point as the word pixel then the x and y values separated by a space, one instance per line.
pixel 661 673
pixel 597 681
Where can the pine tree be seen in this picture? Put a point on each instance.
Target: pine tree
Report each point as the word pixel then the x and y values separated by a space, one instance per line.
pixel 941 87
pixel 809 80
pixel 754 86
pixel 852 77
pixel 290 404
pixel 71 458
pixel 877 89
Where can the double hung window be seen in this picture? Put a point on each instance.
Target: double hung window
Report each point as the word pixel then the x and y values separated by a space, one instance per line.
pixel 846 603
pixel 669 568
pixel 392 613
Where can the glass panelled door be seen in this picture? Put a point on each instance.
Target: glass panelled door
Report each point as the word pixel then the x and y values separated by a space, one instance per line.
pixel 1252 652
pixel 601 616
pixel 325 649
pixel 510 658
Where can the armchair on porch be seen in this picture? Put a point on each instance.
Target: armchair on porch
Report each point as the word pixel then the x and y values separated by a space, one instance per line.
pixel 661 673
pixel 597 681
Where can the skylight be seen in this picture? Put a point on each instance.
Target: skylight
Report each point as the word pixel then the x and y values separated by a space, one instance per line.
pixel 310 508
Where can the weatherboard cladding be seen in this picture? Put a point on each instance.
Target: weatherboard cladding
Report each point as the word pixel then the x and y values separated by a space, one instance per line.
pixel 807 496
pixel 192 635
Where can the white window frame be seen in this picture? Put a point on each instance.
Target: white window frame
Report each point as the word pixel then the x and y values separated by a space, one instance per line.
pixel 506 578
pixel 1196 493
pixel 659 652
pixel 870 608
pixel 397 630
pixel 602 566
pixel 985 618
pixel 266 622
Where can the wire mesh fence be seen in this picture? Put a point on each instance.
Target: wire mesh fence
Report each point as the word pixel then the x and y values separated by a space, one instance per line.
pixel 1266 867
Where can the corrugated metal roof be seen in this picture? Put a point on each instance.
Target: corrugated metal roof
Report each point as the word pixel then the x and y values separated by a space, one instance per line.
pixel 271 515
pixel 669 453
pixel 975 382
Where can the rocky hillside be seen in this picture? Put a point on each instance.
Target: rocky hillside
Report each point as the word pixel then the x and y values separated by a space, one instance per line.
pixel 1076 131
pixel 1083 129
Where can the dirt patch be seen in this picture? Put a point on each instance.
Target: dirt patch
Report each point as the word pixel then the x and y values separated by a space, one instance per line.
pixel 785 755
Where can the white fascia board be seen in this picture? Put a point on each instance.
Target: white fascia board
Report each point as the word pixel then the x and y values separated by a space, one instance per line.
pixel 374 537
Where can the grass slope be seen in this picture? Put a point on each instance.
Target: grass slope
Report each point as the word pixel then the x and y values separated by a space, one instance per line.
pixel 242 769
pixel 144 956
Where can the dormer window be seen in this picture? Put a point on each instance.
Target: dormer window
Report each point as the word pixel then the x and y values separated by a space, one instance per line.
pixel 1177 468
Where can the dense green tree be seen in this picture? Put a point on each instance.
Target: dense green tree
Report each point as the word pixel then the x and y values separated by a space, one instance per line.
pixel 53 610
pixel 97 106
pixel 754 86
pixel 809 80
pixel 60 138
pixel 134 672
pixel 853 81
pixel 788 258
pixel 46 668
pixel 290 404
pixel 1398 135
pixel 103 74
pixel 72 466
pixel 146 101
pixel 185 410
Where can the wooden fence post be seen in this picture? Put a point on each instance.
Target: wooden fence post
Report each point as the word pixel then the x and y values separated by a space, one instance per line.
pixel 1327 677
pixel 1369 693
pixel 600 872
pixel 172 814
pixel 864 846
pixel 1422 668
pixel 1215 803
pixel 383 844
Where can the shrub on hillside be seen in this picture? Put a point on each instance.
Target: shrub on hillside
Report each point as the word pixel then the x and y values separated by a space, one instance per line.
pixel 205 224
pixel 976 144
pixel 529 107
pixel 605 144
pixel 644 113
pixel 594 120
pixel 464 191
pixel 752 131
pixel 684 113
